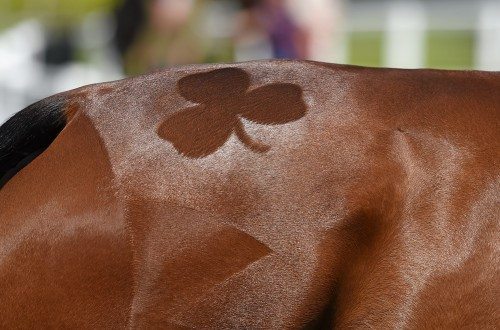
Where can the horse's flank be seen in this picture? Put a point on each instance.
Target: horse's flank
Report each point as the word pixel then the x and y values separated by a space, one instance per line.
pixel 264 194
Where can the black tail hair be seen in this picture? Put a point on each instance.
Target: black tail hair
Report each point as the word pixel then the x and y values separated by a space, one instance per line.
pixel 28 133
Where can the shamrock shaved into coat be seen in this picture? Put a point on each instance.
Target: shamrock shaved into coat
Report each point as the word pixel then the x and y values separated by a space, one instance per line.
pixel 224 99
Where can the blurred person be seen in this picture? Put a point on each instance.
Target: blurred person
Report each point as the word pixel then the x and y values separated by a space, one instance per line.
pixel 287 37
pixel 322 22
pixel 270 25
pixel 167 37
pixel 251 39
pixel 130 18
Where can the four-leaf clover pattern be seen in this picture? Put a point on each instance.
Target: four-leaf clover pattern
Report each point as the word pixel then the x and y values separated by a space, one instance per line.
pixel 223 98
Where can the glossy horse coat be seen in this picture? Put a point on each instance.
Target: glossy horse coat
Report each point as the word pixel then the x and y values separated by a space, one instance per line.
pixel 262 195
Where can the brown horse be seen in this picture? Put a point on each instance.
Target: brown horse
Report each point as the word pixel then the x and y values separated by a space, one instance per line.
pixel 260 195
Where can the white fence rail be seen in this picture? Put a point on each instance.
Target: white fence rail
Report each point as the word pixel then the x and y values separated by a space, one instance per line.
pixel 405 25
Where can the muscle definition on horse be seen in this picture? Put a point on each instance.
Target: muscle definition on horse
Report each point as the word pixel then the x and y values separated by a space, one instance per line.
pixel 259 195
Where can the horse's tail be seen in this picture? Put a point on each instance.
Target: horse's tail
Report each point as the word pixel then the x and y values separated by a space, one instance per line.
pixel 28 133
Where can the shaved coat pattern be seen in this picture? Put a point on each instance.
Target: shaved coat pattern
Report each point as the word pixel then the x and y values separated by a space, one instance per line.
pixel 258 195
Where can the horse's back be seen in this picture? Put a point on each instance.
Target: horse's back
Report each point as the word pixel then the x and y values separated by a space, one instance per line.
pixel 262 195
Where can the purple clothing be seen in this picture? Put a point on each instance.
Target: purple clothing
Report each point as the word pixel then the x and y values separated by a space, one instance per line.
pixel 282 32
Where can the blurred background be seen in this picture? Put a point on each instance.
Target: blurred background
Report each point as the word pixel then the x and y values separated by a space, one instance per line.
pixel 48 46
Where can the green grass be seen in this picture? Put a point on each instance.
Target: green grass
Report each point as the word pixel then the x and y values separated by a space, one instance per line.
pixel 444 49
pixel 450 49
pixel 365 48
pixel 53 12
